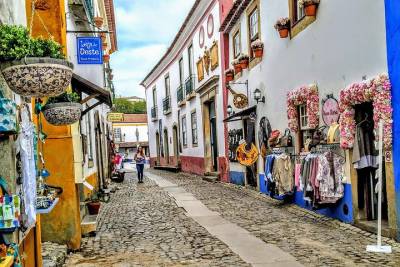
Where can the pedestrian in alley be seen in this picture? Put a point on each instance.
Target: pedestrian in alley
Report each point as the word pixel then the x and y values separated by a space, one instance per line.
pixel 140 160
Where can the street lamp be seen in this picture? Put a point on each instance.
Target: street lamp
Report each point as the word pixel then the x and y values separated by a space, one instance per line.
pixel 229 110
pixel 257 96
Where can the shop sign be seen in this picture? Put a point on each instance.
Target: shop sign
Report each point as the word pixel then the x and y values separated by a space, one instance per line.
pixel 115 117
pixel 89 50
pixel 330 110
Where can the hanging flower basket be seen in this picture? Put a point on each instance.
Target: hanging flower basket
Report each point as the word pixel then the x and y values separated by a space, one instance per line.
pixel 310 7
pixel 62 113
pixel 258 48
pixel 282 26
pixel 229 75
pixel 106 58
pixel 38 77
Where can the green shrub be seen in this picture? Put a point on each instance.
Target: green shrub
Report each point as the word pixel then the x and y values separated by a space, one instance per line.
pixel 64 97
pixel 15 43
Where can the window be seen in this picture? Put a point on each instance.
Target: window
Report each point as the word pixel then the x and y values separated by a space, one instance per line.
pixel 117 134
pixel 194 128
pixel 167 86
pixel 154 97
pixel 298 12
pixel 184 131
pixel 254 25
pixel 181 73
pixel 236 44
pixel 190 59
pixel 303 117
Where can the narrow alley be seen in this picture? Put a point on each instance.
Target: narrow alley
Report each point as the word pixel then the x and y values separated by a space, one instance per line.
pixel 143 226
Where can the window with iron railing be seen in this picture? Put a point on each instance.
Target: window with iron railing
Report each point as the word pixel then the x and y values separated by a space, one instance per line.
pixel 89 9
pixel 154 112
pixel 179 93
pixel 189 85
pixel 167 104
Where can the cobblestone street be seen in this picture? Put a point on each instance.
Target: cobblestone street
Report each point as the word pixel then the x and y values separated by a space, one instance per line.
pixel 142 226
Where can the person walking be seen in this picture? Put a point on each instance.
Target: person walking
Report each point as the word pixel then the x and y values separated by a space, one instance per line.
pixel 140 160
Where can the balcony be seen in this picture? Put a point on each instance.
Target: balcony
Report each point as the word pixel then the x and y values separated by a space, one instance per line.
pixel 180 96
pixel 154 113
pixel 189 87
pixel 167 105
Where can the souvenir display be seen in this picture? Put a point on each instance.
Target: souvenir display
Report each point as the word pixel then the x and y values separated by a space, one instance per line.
pixel 275 138
pixel 234 137
pixel 247 157
pixel 10 205
pixel 333 135
pixel 8 115
pixel 279 174
pixel 287 139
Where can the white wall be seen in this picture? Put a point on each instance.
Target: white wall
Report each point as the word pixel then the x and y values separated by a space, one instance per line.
pixel 129 130
pixel 13 12
pixel 191 37
pixel 339 48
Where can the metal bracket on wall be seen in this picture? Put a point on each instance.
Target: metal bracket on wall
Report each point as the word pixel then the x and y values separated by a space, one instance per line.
pixel 245 83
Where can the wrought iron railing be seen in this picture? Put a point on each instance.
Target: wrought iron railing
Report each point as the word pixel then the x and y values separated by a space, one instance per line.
pixel 154 112
pixel 179 93
pixel 167 104
pixel 189 85
pixel 89 9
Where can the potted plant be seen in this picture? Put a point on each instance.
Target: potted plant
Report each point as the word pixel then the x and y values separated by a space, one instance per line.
pixel 229 75
pixel 98 21
pixel 258 48
pixel 282 26
pixel 64 109
pixel 32 67
pixel 310 6
pixel 93 205
pixel 237 66
pixel 244 61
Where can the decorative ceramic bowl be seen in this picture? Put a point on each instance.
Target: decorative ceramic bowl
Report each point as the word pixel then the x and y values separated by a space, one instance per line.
pixel 62 113
pixel 38 77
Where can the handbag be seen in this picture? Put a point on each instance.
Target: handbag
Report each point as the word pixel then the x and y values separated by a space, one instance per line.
pixel 8 115
pixel 318 137
pixel 274 139
pixel 287 139
pixel 333 135
pixel 10 210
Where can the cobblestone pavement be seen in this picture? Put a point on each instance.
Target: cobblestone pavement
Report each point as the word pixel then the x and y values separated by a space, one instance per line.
pixel 313 239
pixel 142 226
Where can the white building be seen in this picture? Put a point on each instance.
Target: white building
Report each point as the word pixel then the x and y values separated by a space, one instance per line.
pixel 185 97
pixel 130 133
pixel 334 49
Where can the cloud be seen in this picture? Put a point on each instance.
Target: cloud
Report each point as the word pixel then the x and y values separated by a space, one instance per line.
pixel 145 28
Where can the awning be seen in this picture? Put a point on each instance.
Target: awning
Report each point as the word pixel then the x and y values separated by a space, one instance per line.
pixel 241 115
pixel 82 85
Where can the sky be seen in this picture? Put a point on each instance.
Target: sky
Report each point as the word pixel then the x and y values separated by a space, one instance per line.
pixel 145 29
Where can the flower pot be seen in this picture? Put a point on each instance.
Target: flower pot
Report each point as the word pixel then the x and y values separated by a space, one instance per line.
pixel 229 77
pixel 62 113
pixel 93 208
pixel 103 37
pixel 98 21
pixel 244 64
pixel 106 58
pixel 38 77
pixel 284 32
pixel 258 52
pixel 310 10
pixel 238 68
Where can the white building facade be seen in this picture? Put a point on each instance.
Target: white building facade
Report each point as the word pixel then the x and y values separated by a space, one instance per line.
pixel 185 97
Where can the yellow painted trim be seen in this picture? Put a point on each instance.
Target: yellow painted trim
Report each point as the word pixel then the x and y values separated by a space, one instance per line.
pixel 129 124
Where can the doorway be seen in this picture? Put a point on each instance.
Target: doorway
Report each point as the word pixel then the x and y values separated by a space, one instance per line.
pixel 367 166
pixel 213 135
pixel 166 146
pixel 176 144
pixel 250 136
pixel 158 149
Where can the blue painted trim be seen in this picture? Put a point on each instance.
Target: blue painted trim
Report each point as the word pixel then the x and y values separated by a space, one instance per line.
pixel 237 177
pixel 392 13
pixel 336 211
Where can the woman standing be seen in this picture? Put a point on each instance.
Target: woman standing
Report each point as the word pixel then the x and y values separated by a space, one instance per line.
pixel 140 160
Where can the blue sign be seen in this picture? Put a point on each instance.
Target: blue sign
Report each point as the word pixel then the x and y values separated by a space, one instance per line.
pixel 89 50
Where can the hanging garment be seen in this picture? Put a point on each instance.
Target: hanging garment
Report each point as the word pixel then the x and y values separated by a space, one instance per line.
pixel 364 151
pixel 297 174
pixel 25 146
pixel 330 176
pixel 283 174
